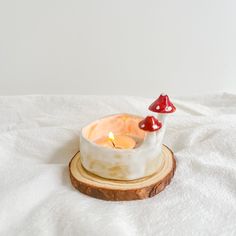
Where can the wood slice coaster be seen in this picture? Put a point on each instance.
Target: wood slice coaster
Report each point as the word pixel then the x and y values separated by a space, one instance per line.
pixel 122 190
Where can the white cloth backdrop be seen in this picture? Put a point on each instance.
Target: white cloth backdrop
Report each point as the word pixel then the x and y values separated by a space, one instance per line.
pixel 40 134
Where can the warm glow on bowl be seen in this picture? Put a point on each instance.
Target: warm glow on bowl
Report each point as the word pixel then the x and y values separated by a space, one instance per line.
pixel 112 147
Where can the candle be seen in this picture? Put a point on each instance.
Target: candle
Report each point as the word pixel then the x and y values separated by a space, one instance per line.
pixel 118 141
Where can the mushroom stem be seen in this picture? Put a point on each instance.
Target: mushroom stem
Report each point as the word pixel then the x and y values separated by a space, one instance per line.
pixel 162 117
pixel 160 135
pixel 150 139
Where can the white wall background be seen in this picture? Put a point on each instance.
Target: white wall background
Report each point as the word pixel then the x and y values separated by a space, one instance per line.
pixel 117 46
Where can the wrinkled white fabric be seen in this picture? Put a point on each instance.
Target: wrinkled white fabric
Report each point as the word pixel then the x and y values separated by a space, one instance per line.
pixel 40 134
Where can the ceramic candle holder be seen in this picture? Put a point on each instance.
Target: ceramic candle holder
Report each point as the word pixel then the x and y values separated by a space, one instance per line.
pixel 110 162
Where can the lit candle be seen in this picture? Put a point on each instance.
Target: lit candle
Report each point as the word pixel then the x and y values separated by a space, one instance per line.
pixel 118 141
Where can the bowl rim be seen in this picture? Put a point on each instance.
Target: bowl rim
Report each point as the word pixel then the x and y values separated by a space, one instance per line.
pixel 131 150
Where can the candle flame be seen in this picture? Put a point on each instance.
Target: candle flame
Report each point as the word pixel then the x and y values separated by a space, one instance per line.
pixel 111 136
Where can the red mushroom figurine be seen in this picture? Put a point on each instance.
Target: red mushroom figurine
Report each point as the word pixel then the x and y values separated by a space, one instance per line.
pixel 150 124
pixel 163 106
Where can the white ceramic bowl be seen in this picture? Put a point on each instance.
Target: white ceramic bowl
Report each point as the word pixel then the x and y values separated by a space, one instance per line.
pixel 119 164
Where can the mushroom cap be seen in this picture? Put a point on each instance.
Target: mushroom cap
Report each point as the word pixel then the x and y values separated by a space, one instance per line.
pixel 150 123
pixel 162 105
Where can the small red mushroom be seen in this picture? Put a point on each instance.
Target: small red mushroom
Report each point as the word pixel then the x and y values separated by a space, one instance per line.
pixel 162 105
pixel 150 124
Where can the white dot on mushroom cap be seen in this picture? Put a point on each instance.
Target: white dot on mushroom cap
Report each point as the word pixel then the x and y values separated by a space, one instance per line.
pixel 168 108
pixel 155 126
pixel 143 125
pixel 157 107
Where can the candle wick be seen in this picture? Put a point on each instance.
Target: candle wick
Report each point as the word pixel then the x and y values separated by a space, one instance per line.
pixel 113 143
